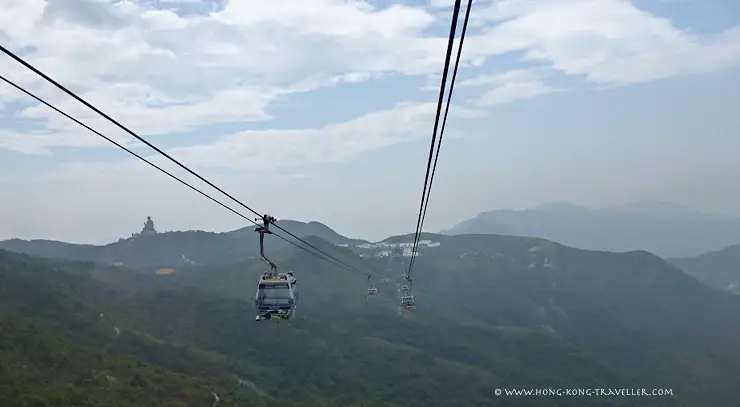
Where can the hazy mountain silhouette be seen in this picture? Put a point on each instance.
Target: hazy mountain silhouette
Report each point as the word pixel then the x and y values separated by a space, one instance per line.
pixel 666 229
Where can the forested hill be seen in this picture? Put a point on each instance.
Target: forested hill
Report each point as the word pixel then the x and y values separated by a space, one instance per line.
pixel 174 249
pixel 60 347
pixel 492 312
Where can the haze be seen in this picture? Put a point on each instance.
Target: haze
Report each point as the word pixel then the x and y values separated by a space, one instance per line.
pixel 323 110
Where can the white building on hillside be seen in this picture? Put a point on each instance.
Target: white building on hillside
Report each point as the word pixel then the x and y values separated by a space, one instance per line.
pixel 404 249
pixel 408 252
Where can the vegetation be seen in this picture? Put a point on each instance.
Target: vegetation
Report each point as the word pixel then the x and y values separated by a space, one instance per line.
pixel 40 369
pixel 493 312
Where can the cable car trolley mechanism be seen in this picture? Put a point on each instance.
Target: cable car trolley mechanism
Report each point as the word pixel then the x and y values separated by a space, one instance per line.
pixel 277 292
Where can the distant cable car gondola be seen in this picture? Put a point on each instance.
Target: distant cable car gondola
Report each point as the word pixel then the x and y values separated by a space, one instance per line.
pixel 371 289
pixel 407 302
pixel 407 299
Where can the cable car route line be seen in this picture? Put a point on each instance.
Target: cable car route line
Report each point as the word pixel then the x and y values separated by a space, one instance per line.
pixel 427 189
pixel 444 123
pixel 127 130
pixel 49 105
pixel 46 77
pixel 453 26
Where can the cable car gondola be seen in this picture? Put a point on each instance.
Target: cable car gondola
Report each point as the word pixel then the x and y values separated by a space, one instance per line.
pixel 276 296
pixel 277 293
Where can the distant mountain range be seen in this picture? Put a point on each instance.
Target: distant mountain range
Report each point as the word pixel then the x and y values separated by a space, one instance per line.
pixel 173 249
pixel 666 229
pixel 719 269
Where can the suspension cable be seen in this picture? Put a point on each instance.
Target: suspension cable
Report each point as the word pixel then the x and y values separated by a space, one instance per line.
pixel 441 134
pixel 127 130
pixel 330 259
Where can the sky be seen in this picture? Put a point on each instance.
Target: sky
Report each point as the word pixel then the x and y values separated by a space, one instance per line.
pixel 324 110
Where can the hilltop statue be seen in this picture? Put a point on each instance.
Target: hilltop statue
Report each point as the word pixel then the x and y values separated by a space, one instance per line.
pixel 148 227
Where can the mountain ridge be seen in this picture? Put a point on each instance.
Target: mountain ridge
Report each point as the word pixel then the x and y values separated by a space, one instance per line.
pixel 669 229
pixel 174 248
pixel 719 269
pixel 666 229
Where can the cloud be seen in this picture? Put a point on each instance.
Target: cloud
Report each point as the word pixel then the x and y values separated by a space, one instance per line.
pixel 604 41
pixel 266 149
pixel 508 87
pixel 441 3
pixel 36 143
pixel 332 143
pixel 163 72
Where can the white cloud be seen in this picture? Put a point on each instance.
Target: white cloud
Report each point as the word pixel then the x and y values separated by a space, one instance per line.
pixel 162 73
pixel 508 87
pixel 36 143
pixel 274 149
pixel 159 72
pixel 441 3
pixel 606 41
pixel 333 143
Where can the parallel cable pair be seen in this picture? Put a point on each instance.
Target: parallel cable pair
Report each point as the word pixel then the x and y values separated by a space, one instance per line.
pixel 329 258
pixel 427 179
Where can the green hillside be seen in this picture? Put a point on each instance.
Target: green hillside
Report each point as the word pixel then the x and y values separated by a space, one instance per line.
pixel 41 369
pixel 493 312
pixel 58 348
pixel 631 314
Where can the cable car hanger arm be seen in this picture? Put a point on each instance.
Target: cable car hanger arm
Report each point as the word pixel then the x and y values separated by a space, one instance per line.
pixel 265 228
